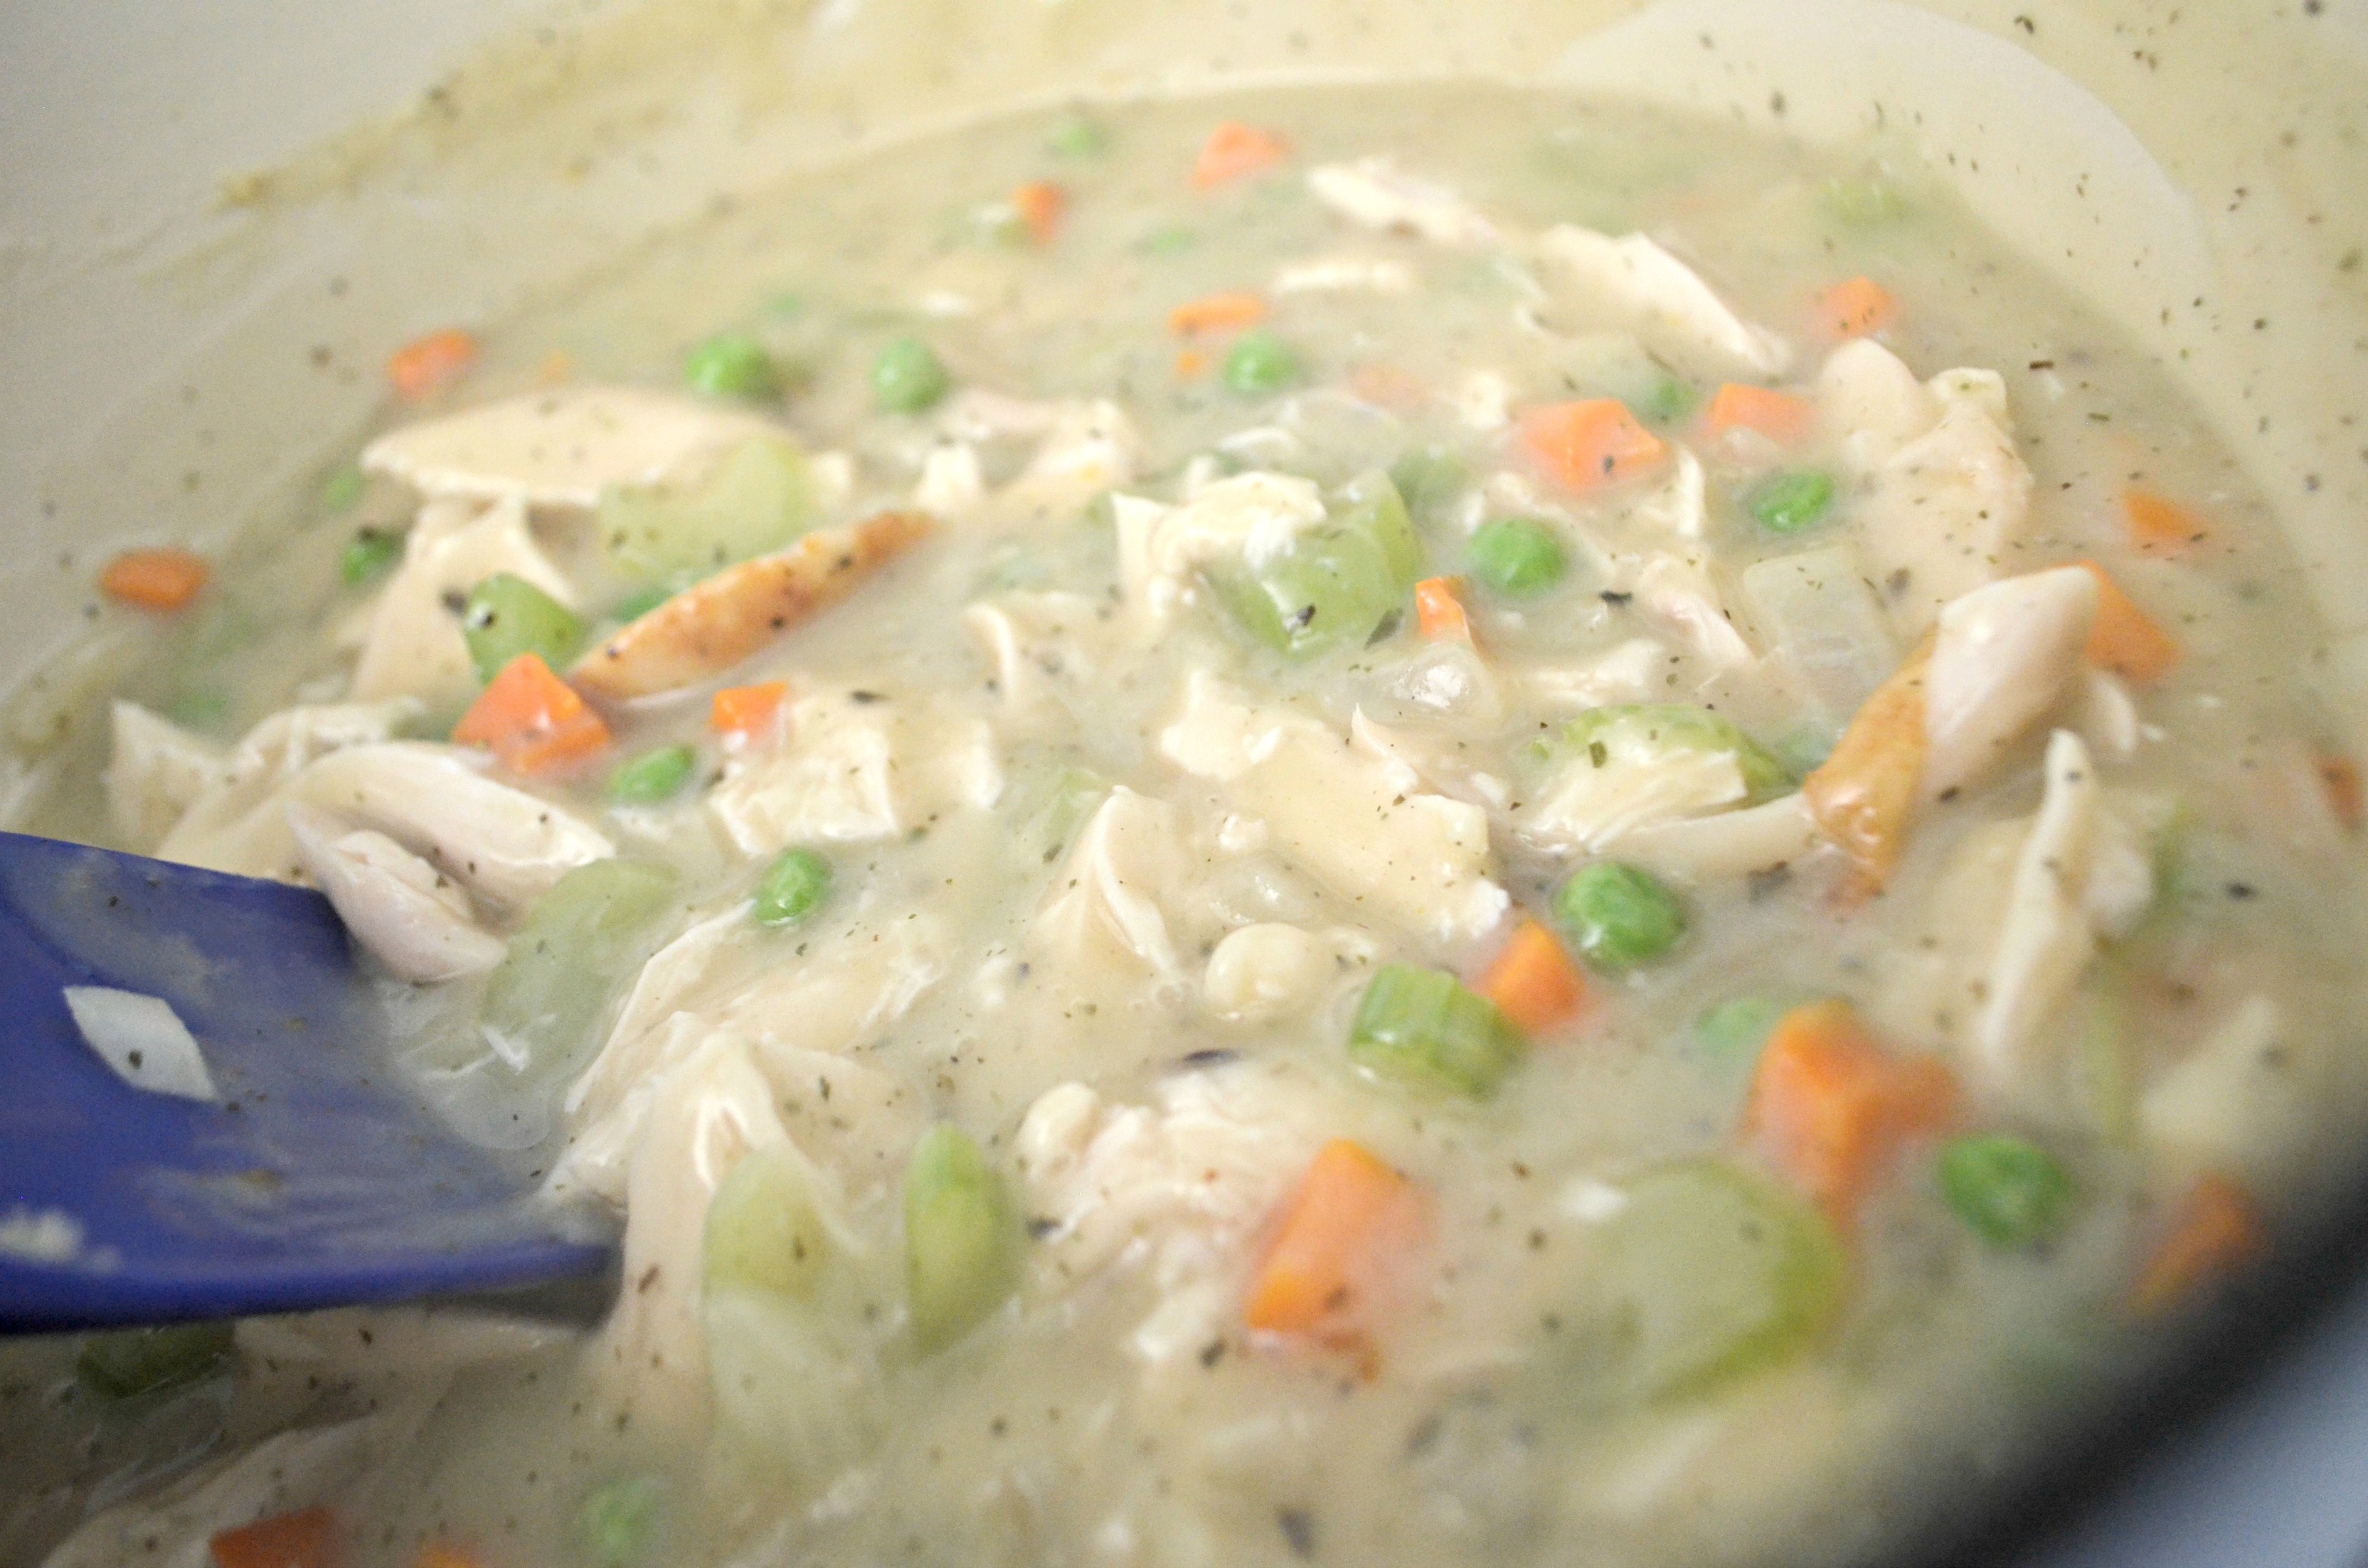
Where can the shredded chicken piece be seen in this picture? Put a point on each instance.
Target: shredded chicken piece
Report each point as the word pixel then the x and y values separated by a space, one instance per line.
pixel 705 631
pixel 405 912
pixel 2003 655
pixel 1360 822
pixel 1636 284
pixel 853 767
pixel 1373 192
pixel 1943 493
pixel 237 822
pixel 561 448
pixel 1104 896
pixel 504 844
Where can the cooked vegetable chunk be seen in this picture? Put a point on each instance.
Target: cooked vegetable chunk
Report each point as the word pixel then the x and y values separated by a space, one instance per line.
pixel 1422 1027
pixel 1618 917
pixel 961 1238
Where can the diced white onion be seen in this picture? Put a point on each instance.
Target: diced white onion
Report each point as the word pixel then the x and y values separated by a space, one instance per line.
pixel 141 1039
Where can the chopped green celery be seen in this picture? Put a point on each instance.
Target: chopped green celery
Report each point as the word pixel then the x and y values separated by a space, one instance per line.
pixel 758 499
pixel 507 615
pixel 1863 201
pixel 793 887
pixel 1669 399
pixel 961 1238
pixel 1617 917
pixel 655 775
pixel 1803 748
pixel 908 377
pixel 639 602
pixel 2103 1066
pixel 1077 136
pixel 1713 1273
pixel 1335 586
pixel 1734 1029
pixel 1066 801
pixel 199 707
pixel 129 1362
pixel 545 996
pixel 1429 480
pixel 1789 502
pixel 370 554
pixel 619 1522
pixel 1261 363
pixel 1423 1028
pixel 343 488
pixel 2008 1190
pixel 764 1231
pixel 1642 731
pixel 731 364
pixel 1173 239
pixel 1518 556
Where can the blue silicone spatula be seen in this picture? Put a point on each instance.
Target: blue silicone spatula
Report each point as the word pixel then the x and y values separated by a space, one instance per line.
pixel 297 1174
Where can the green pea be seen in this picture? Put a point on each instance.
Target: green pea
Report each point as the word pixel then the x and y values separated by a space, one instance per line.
pixel 1423 1028
pixel 2008 1190
pixel 793 887
pixel 1618 917
pixel 1172 240
pixel 1669 401
pixel 652 776
pixel 1261 363
pixel 1787 503
pixel 368 556
pixel 908 377
pixel 618 1521
pixel 507 615
pixel 135 1361
pixel 731 364
pixel 961 1238
pixel 1077 137
pixel 343 488
pixel 1519 556
pixel 1734 1029
pixel 1863 203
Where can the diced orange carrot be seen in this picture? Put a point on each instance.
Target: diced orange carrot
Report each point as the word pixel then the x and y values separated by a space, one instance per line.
pixel 2124 638
pixel 1855 307
pixel 1234 150
pixel 307 1538
pixel 2160 526
pixel 155 579
pixel 746 710
pixel 1863 795
pixel 1583 446
pixel 532 720
pixel 1331 1261
pixel 1533 982
pixel 445 1554
pixel 426 366
pixel 1040 204
pixel 1780 416
pixel 1830 1108
pixel 1214 314
pixel 2216 1232
pixel 1438 611
pixel 1191 364
pixel 2339 776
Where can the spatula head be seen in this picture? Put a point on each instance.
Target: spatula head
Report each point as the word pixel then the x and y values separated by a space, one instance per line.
pixel 313 1180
